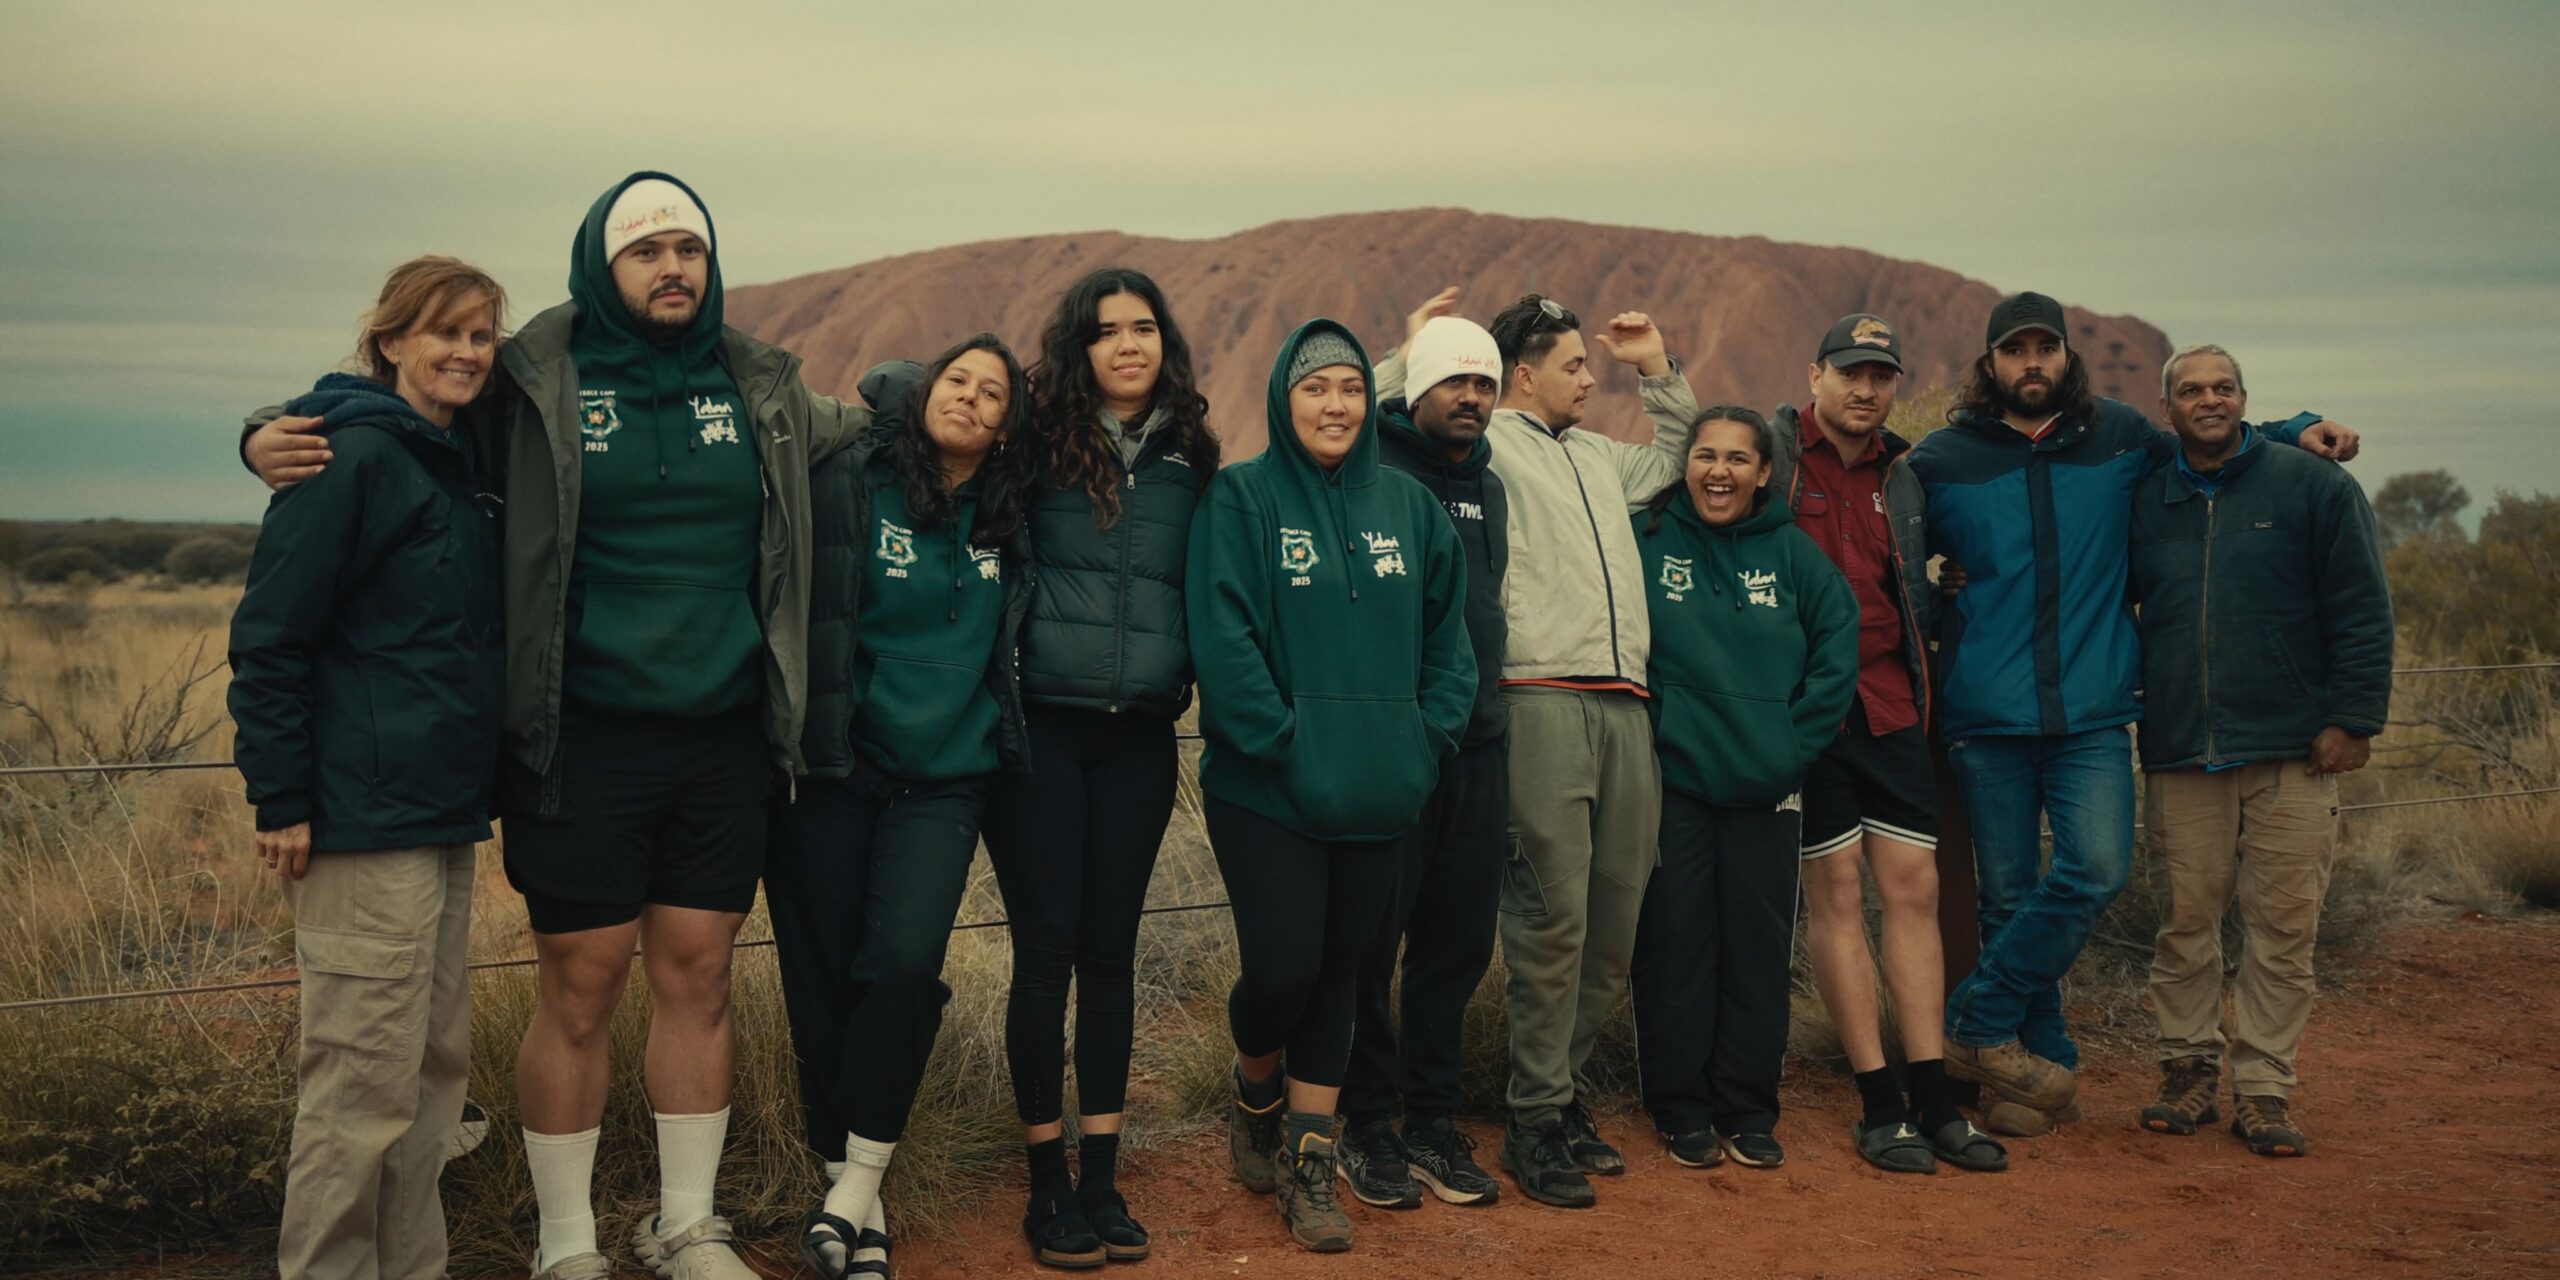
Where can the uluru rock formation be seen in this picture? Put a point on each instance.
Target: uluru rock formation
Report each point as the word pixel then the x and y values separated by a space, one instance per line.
pixel 1743 314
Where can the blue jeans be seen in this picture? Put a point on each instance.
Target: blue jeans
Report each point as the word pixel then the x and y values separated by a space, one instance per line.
pixel 2035 921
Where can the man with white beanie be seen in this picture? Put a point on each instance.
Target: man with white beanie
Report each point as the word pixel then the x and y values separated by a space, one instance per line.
pixel 654 466
pixel 1450 864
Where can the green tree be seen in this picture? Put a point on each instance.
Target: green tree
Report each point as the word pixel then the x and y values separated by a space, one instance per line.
pixel 63 564
pixel 2416 502
pixel 208 558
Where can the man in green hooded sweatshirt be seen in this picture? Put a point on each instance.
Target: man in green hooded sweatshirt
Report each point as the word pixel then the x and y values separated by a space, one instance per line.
pixel 654 466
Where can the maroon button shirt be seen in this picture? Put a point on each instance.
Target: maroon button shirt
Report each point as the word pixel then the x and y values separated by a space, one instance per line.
pixel 1840 504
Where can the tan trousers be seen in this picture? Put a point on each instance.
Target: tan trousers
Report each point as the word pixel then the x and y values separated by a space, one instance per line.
pixel 386 1046
pixel 2266 834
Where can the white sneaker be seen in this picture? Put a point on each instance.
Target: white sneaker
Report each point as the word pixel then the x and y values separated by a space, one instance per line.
pixel 700 1252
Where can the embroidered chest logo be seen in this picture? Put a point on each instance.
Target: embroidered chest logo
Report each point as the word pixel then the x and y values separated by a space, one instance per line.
pixel 1177 459
pixel 1879 497
pixel 989 566
pixel 715 419
pixel 597 419
pixel 1387 554
pixel 1465 510
pixel 1298 555
pixel 897 549
pixel 1760 586
pixel 1678 577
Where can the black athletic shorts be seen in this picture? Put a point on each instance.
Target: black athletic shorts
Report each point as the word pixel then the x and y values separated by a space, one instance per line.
pixel 645 810
pixel 1862 783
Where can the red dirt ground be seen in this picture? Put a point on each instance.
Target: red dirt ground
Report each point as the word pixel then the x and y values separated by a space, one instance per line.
pixel 2428 1098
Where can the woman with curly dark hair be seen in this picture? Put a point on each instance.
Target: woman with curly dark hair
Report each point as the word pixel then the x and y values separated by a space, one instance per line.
pixel 1125 450
pixel 922 578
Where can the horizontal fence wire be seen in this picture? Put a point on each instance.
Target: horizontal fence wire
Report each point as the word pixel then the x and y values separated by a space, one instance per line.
pixel 273 984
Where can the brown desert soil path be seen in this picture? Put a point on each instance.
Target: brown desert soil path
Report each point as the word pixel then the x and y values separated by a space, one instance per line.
pixel 2428 1098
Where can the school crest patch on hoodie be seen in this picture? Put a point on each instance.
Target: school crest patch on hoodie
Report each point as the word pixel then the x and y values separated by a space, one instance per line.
pixel 1298 554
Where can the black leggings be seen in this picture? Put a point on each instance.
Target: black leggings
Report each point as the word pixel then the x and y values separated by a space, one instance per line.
pixel 863 879
pixel 1305 910
pixel 1074 842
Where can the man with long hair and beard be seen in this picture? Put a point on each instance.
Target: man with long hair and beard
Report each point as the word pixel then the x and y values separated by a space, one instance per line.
pixel 2030 489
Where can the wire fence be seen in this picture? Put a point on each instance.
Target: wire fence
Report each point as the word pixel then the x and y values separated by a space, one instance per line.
pixel 520 962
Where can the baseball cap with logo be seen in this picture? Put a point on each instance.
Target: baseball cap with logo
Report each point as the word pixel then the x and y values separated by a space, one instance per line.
pixel 2020 312
pixel 1860 339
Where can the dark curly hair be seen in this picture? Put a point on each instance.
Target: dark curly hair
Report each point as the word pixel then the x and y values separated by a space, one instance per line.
pixel 1982 397
pixel 1009 472
pixel 1066 405
pixel 1525 331
pixel 1764 439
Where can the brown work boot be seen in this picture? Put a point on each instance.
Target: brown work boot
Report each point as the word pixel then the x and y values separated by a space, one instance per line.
pixel 2018 1120
pixel 2013 1073
pixel 2265 1122
pixel 2188 1087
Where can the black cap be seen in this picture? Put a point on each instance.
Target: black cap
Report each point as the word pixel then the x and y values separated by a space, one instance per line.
pixel 2025 311
pixel 1860 339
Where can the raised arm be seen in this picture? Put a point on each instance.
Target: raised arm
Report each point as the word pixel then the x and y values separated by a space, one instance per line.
pixel 1643 469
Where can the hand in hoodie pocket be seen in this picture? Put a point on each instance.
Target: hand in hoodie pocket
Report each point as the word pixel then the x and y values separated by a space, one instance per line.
pixel 1358 767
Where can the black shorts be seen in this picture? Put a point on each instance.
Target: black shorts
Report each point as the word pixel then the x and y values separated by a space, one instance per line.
pixel 1863 782
pixel 645 810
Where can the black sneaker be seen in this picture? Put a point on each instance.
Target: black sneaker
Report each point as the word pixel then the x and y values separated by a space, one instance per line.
pixel 1443 1158
pixel 1696 1148
pixel 1591 1153
pixel 1539 1162
pixel 1753 1150
pixel 1373 1165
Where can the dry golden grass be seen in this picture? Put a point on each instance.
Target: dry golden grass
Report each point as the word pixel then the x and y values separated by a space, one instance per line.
pixel 161 1123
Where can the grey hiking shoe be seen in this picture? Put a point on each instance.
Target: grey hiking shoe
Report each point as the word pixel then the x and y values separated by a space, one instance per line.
pixel 2187 1090
pixel 1305 1196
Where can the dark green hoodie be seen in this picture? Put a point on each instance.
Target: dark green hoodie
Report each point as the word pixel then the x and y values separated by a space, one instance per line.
pixel 1327 619
pixel 662 619
pixel 1755 650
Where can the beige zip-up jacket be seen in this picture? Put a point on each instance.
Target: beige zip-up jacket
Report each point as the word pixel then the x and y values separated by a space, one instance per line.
pixel 1573 592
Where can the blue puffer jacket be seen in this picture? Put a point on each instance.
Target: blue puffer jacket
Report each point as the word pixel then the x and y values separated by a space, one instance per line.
pixel 2041 640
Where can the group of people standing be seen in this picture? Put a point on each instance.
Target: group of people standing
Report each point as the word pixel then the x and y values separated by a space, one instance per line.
pixel 1465 670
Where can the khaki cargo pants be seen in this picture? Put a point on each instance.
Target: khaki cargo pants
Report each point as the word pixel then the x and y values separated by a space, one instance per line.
pixel 386 1045
pixel 1586 814
pixel 2267 835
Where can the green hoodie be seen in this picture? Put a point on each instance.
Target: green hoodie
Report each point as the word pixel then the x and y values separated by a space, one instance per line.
pixel 1755 650
pixel 932 605
pixel 1327 619
pixel 662 619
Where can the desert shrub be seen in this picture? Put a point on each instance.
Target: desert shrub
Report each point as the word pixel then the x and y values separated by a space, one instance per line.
pixel 68 564
pixel 209 558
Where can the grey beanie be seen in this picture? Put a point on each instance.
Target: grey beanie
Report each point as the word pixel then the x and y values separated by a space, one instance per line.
pixel 1319 350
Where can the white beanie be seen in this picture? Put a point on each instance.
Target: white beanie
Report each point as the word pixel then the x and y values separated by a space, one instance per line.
pixel 648 207
pixel 1449 347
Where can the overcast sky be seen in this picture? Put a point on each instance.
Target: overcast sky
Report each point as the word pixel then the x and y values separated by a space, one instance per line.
pixel 198 199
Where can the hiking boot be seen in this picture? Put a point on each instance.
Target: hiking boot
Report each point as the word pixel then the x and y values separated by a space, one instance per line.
pixel 707 1250
pixel 2015 1119
pixel 1443 1158
pixel 1539 1161
pixel 2265 1122
pixel 1304 1193
pixel 2187 1089
pixel 1591 1153
pixel 2013 1073
pixel 1753 1150
pixel 1251 1138
pixel 1373 1165
pixel 1695 1148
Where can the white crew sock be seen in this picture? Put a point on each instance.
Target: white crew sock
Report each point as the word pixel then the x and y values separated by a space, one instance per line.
pixel 688 1167
pixel 563 1167
pixel 856 1195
